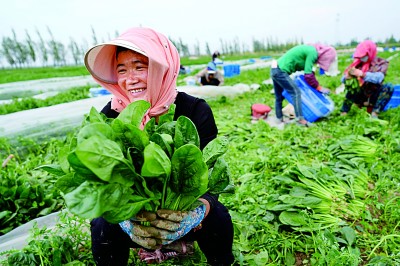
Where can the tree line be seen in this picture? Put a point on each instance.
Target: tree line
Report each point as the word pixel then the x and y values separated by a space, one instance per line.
pixel 27 52
pixel 17 53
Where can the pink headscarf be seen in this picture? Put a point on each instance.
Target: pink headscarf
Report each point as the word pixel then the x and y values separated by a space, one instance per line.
pixel 364 48
pixel 326 55
pixel 163 69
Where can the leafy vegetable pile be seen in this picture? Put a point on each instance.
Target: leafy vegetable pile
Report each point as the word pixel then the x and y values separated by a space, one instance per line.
pixel 112 168
pixel 312 198
pixel 23 195
pixel 355 149
pixel 323 195
pixel 352 85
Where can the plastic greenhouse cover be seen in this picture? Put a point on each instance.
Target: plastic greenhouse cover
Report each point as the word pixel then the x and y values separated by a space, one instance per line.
pixel 17 238
pixel 46 85
pixel 42 122
pixel 50 119
pixel 62 117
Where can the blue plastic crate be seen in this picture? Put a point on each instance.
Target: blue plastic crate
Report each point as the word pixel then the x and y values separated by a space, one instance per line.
pixel 231 70
pixel 394 100
pixel 96 92
pixel 314 104
pixel 266 57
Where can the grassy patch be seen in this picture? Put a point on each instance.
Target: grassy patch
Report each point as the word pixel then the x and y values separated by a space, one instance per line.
pixel 25 74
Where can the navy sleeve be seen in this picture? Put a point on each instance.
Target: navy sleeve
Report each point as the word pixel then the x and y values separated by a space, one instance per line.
pixel 200 113
pixel 110 113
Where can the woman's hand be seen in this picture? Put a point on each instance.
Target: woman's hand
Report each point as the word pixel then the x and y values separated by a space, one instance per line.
pixel 179 223
pixel 356 72
pixel 323 90
pixel 151 230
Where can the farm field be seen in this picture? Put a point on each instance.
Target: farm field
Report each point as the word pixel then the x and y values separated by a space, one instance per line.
pixel 324 195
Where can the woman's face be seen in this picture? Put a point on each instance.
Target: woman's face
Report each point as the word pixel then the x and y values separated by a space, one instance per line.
pixel 132 71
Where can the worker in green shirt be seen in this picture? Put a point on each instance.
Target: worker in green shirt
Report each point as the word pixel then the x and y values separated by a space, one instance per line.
pixel 299 58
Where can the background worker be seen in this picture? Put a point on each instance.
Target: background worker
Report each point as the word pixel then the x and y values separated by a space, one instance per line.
pixel 210 76
pixel 215 58
pixel 363 80
pixel 299 58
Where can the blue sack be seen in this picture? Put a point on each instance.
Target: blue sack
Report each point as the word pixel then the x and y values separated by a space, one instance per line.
pixel 314 104
pixel 394 100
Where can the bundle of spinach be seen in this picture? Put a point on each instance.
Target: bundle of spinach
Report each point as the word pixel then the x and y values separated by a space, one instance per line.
pixel 318 196
pixel 352 85
pixel 112 168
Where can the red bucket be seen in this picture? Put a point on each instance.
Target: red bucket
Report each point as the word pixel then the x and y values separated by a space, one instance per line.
pixel 259 110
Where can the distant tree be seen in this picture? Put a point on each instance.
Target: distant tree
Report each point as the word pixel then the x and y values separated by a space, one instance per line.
pixel 21 50
pixel 176 45
pixel 245 48
pixel 353 42
pixel 208 51
pixel 31 46
pixel 258 46
pixel 84 46
pixel 236 46
pixel 197 48
pixel 391 40
pixel 62 53
pixel 224 47
pixel 76 52
pixel 182 48
pixel 42 48
pixel 7 50
pixel 57 50
pixel 94 38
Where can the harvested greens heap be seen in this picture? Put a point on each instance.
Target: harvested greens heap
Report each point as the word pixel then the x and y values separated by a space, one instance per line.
pixel 352 85
pixel 114 169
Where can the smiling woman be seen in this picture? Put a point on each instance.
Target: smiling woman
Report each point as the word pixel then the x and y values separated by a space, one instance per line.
pixel 143 64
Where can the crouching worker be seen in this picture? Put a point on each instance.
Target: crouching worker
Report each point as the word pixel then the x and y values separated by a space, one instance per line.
pixel 142 64
pixel 363 81
pixel 210 76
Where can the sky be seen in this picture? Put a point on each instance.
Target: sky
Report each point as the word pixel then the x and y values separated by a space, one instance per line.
pixel 205 21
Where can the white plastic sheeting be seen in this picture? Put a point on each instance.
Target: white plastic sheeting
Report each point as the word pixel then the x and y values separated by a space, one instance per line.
pixel 61 117
pixel 210 91
pixel 44 85
pixel 46 120
pixel 17 238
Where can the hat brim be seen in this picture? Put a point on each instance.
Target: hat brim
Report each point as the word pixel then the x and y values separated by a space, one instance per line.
pixel 100 60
